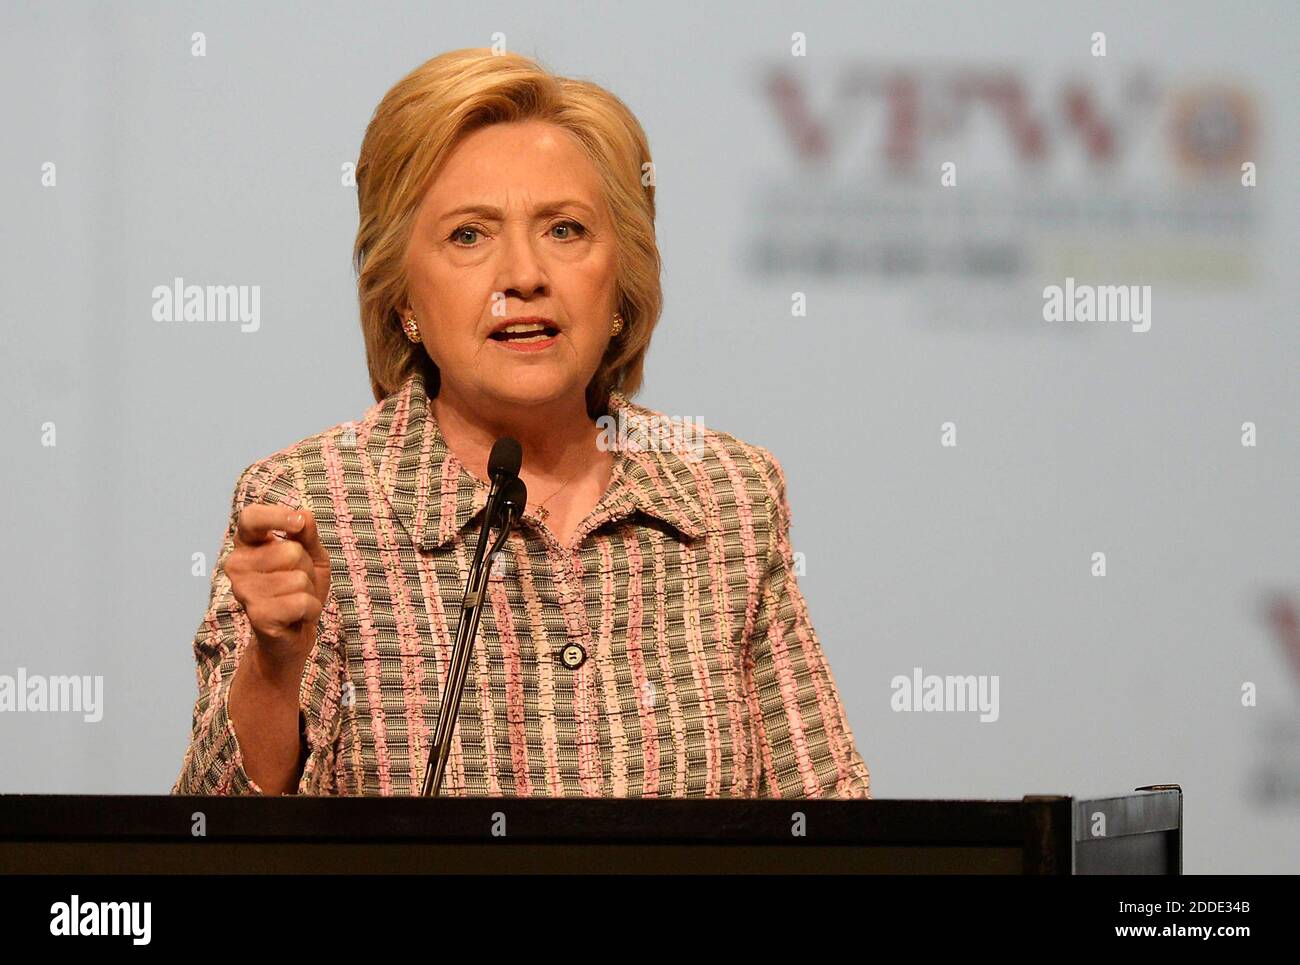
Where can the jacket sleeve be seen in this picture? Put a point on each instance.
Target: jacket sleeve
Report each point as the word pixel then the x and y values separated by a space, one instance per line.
pixel 805 744
pixel 213 763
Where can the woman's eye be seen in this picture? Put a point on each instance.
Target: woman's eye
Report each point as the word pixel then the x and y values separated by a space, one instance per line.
pixel 577 229
pixel 460 233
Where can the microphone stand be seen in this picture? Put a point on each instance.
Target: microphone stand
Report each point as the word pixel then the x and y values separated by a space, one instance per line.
pixel 507 504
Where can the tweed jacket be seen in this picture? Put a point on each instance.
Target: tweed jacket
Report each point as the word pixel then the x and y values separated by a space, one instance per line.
pixel 666 652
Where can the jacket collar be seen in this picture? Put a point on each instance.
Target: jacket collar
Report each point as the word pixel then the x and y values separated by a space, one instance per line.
pixel 434 496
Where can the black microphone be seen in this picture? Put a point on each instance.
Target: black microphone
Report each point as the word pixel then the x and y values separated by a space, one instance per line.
pixel 506 458
pixel 514 499
pixel 503 465
pixel 505 504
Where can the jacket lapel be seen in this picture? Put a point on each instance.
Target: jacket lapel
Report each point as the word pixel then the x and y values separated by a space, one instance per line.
pixel 434 496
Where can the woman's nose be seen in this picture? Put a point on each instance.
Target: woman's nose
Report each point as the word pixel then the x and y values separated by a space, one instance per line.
pixel 521 266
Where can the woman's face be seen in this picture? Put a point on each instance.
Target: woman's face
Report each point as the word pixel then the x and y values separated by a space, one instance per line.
pixel 513 226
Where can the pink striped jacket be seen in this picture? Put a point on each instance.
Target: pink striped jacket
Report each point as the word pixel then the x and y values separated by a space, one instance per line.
pixel 696 670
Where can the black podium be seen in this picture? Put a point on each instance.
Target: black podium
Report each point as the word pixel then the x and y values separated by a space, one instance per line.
pixel 1133 833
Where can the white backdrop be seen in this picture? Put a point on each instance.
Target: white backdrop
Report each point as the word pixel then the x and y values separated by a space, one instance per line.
pixel 786 177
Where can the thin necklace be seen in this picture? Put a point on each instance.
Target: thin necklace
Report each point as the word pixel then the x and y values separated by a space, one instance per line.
pixel 541 510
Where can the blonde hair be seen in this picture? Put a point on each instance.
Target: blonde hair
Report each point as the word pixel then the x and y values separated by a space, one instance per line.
pixel 413 131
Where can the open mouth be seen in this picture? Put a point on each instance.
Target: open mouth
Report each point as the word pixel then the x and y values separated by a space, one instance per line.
pixel 525 333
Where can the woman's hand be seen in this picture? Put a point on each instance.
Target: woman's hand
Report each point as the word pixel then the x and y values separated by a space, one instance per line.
pixel 282 582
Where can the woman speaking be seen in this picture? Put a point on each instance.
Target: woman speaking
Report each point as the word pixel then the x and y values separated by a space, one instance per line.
pixel 642 633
